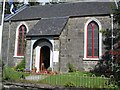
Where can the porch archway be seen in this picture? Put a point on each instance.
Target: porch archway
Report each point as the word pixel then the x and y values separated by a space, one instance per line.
pixel 42 54
pixel 44 58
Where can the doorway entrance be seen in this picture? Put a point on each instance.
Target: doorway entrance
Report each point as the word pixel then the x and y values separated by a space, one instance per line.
pixel 44 58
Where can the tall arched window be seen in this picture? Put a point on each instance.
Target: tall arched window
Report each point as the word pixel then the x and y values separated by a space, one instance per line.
pixel 21 40
pixel 92 40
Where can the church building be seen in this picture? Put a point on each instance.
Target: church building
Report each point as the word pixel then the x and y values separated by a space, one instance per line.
pixel 56 35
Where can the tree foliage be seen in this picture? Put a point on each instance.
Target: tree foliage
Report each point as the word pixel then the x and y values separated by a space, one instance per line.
pixel 17 5
pixel 107 65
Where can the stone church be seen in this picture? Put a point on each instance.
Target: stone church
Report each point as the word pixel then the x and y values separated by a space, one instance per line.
pixel 56 35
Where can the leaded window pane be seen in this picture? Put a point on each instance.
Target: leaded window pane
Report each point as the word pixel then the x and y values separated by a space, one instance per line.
pixel 92 40
pixel 21 41
pixel 96 39
pixel 89 45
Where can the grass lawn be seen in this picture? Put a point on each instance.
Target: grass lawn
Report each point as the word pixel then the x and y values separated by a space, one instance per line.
pixel 75 79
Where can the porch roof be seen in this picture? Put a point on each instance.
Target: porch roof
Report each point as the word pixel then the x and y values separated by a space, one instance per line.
pixel 48 27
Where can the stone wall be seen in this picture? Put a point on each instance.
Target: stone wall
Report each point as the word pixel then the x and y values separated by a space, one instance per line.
pixel 5 42
pixel 56 49
pixel 72 42
pixel 28 54
pixel 8 43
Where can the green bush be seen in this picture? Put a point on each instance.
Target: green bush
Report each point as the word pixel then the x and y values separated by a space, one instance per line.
pixel 71 68
pixel 20 66
pixel 10 74
pixel 70 84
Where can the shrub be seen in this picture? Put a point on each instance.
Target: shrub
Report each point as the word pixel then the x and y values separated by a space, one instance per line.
pixel 49 69
pixel 71 68
pixel 102 69
pixel 70 84
pixel 20 66
pixel 117 75
pixel 11 75
pixel 6 73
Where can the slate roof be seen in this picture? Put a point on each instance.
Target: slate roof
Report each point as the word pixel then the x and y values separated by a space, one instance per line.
pixel 47 27
pixel 7 17
pixel 64 10
pixel 53 18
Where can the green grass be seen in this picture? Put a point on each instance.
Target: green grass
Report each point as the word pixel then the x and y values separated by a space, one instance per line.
pixel 77 79
pixel 10 74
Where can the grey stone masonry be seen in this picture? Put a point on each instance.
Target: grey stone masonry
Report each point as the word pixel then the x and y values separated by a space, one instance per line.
pixel 8 42
pixel 72 42
pixel 5 39
pixel 28 54
pixel 56 48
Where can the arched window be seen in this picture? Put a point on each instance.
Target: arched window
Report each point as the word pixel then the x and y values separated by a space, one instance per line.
pixel 92 40
pixel 21 40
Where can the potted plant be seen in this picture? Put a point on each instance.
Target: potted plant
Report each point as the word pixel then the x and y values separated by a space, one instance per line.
pixel 34 69
pixel 49 70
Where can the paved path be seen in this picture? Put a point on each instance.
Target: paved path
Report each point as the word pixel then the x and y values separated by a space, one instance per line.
pixel 35 77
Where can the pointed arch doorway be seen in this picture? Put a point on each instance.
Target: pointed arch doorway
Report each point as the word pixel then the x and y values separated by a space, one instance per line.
pixel 42 54
pixel 44 58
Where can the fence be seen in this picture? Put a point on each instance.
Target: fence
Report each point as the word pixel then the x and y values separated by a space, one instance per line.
pixel 82 81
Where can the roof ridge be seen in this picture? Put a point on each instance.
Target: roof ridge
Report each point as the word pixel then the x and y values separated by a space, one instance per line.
pixel 69 3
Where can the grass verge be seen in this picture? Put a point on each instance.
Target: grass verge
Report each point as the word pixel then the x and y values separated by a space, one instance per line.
pixel 10 74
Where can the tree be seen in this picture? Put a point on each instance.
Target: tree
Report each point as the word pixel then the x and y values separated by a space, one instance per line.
pixel 17 5
pixel 108 65
pixel 117 45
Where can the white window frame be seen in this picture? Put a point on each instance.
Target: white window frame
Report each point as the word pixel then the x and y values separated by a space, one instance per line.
pixel 16 38
pixel 85 39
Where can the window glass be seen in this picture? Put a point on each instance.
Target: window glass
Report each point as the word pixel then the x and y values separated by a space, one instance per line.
pixel 92 40
pixel 21 40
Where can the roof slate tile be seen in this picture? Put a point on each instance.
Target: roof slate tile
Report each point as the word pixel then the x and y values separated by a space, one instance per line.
pixel 47 27
pixel 64 10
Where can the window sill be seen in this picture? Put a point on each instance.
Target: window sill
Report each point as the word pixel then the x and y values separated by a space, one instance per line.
pixel 18 56
pixel 91 59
